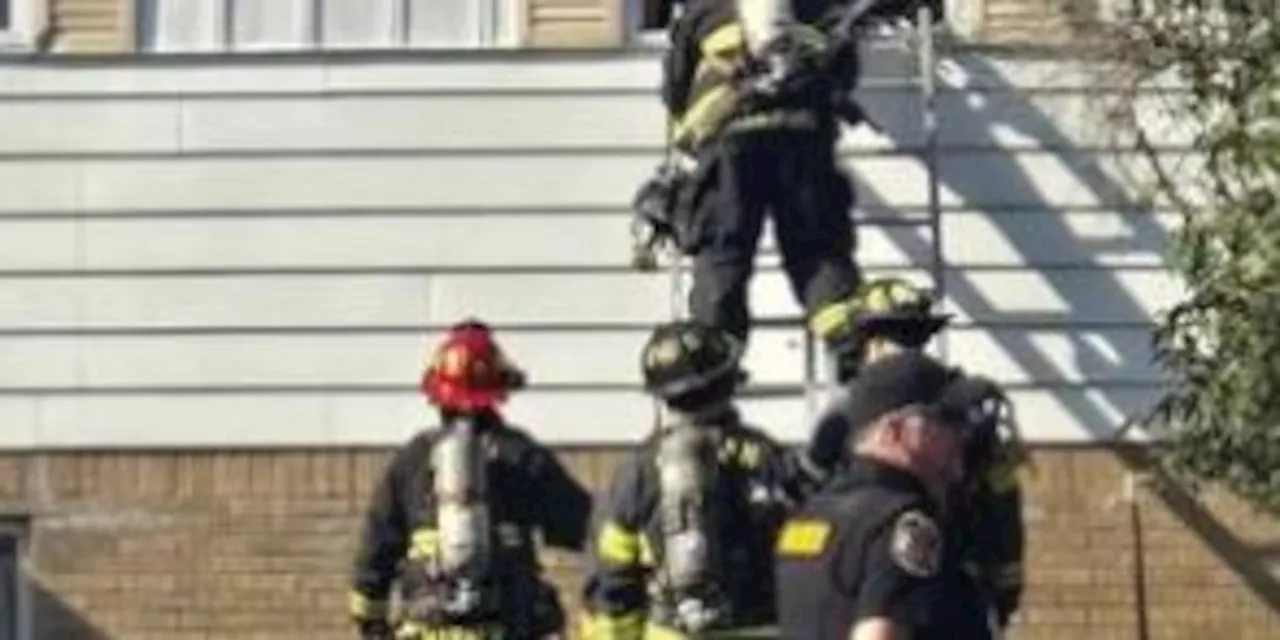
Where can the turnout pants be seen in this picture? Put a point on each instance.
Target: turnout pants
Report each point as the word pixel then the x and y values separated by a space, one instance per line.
pixel 793 177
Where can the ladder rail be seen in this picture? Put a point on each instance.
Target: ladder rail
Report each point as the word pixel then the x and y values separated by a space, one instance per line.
pixel 926 59
pixel 930 124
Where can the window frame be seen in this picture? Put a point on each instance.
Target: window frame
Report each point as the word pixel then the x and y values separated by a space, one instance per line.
pixel 26 22
pixel 497 29
pixel 18 528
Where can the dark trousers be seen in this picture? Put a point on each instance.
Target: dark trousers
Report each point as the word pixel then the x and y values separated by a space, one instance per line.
pixel 792 176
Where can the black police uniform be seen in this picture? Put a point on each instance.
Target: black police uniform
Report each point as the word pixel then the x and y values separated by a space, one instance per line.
pixel 627 545
pixel 528 491
pixel 872 545
pixel 990 534
pixel 778 160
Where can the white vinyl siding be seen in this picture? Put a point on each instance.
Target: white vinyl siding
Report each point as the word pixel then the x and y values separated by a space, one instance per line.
pixel 260 252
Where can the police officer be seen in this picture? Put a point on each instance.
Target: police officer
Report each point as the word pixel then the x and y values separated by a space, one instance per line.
pixel 689 519
pixel 754 155
pixel 454 516
pixel 868 558
pixel 894 316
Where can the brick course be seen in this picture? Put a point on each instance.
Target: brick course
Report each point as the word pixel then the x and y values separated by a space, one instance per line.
pixel 246 545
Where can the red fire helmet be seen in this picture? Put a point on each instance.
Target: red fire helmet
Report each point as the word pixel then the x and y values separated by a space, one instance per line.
pixel 468 371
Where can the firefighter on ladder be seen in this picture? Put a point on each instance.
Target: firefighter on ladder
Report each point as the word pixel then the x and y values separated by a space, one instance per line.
pixel 894 317
pixel 453 519
pixel 756 92
pixel 682 540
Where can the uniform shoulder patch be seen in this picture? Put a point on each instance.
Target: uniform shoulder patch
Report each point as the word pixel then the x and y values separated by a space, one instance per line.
pixel 803 537
pixel 916 544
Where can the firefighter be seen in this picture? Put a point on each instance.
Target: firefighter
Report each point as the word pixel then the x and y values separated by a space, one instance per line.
pixel 452 520
pixel 691 516
pixel 893 316
pixel 869 557
pixel 988 503
pixel 756 91
pixel 888 315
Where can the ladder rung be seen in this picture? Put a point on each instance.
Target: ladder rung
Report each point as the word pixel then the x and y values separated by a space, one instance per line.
pixel 892 221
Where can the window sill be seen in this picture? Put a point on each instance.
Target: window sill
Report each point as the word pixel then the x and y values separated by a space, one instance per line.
pixel 14 42
pixel 655 39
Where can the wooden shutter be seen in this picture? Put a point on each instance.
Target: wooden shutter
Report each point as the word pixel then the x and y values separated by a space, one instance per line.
pixel 573 24
pixel 92 26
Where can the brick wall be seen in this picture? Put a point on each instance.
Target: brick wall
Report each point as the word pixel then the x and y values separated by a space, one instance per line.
pixel 256 545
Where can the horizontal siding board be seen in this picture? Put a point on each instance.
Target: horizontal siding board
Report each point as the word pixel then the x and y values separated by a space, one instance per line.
pixel 1019 356
pixel 517 121
pixel 487 71
pixel 436 242
pixel 336 419
pixel 1053 238
pixel 468 122
pixel 1077 297
pixel 89 126
pixel 1062 298
pixel 607 180
pixel 536 240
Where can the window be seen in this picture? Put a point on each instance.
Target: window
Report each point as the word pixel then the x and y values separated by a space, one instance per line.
pixel 648 19
pixel 266 25
pixel 18 22
pixel 14 624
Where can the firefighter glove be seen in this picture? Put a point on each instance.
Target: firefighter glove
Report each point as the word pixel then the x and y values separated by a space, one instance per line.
pixel 374 630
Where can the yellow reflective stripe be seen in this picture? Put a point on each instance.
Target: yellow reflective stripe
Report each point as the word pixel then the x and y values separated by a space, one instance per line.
pixel 365 608
pixel 646 552
pixel 878 297
pixel 831 318
pixel 884 294
pixel 723 40
pixel 811 36
pixel 749 455
pixel 658 632
pixel 704 114
pixel 418 631
pixel 774 120
pixel 604 627
pixel 424 543
pixel 616 545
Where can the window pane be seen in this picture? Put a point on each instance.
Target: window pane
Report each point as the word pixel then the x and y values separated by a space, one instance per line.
pixel 271 24
pixel 181 25
pixel 445 23
pixel 5 20
pixel 363 23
